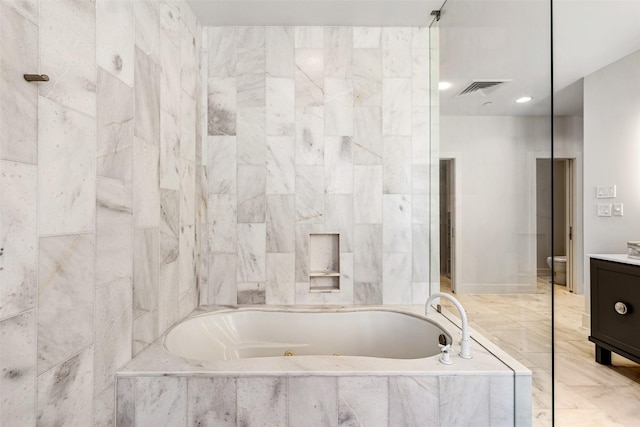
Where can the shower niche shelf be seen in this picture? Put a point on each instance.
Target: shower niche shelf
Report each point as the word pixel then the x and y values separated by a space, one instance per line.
pixel 324 262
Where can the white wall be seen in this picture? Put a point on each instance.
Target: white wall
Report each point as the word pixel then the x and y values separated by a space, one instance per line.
pixel 612 156
pixel 495 195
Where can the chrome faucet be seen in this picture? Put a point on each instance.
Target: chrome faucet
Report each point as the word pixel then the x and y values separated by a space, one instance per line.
pixel 465 343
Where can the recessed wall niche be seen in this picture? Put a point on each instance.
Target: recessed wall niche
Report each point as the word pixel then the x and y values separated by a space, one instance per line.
pixel 324 262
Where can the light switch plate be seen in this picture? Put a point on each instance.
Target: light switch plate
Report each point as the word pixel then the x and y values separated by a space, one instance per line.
pixel 617 209
pixel 604 209
pixel 606 192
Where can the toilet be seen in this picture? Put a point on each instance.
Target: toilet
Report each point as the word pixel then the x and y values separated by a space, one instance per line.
pixel 559 269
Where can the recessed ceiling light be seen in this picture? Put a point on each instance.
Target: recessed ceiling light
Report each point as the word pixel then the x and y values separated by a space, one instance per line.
pixel 444 85
pixel 523 99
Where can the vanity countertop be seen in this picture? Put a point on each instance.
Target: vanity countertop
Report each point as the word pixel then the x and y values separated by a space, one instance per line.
pixel 622 258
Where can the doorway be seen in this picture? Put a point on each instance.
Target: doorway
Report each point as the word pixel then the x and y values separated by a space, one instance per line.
pixel 447 225
pixel 559 211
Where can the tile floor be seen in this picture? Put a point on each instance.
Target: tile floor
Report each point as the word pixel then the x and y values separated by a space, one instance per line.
pixel 586 393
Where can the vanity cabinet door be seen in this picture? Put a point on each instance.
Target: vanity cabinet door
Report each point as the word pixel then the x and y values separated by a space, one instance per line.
pixel 613 283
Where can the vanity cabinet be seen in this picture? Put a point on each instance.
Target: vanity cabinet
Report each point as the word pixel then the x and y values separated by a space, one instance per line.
pixel 615 307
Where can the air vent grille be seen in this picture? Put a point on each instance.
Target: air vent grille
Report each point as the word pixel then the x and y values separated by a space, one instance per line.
pixel 482 86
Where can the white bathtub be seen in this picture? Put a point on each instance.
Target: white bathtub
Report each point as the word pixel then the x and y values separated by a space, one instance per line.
pixel 257 332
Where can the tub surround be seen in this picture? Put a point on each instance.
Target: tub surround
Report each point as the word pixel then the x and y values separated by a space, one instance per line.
pixel 336 389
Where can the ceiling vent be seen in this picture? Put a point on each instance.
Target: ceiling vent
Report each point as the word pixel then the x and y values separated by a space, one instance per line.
pixel 482 87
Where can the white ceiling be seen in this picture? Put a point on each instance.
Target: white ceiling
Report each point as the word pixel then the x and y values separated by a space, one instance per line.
pixel 480 39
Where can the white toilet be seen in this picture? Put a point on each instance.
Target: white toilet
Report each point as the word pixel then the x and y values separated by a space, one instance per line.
pixel 559 269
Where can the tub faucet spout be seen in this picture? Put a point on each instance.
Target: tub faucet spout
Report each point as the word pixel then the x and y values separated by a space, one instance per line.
pixel 465 343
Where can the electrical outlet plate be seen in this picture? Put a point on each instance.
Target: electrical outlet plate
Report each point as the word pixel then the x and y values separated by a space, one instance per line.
pixel 606 192
pixel 604 209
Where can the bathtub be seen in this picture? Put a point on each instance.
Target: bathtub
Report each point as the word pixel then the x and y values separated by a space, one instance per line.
pixel 256 332
pixel 350 366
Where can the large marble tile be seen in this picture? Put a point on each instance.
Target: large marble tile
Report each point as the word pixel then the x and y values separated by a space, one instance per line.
pixel 125 401
pixel 114 146
pixel 146 183
pixel 189 51
pixel 222 223
pixel 161 401
pixel 65 395
pixel 115 38
pixel 397 223
pixel 281 103
pixel 420 209
pixel 368 256
pixel 145 270
pixel 147 28
pixel 363 401
pixel 147 98
pixel 222 282
pixel 367 293
pixel 169 225
pixel 338 107
pixel 251 50
pixel 19 46
pixel 251 136
pixel 27 8
pixel 309 75
pixel 19 237
pixel 280 162
pixel 309 37
pixel 339 219
pixel 188 132
pixel 397 165
pixel 114 229
pixel 396 51
pixel 310 205
pixel 168 296
pixel 367 37
pixel 251 293
pixel 187 193
pixel 222 102
pixel 187 259
pixel 280 285
pixel 367 194
pixel 313 401
pixel 310 136
pixel 212 402
pixel 420 136
pixel 18 368
pixel 67 33
pixel 368 148
pixel 501 401
pixel 367 77
pixel 420 243
pixel 144 331
pixel 104 408
pixel 398 286
pixel 280 220
pixel 222 164
pixel 302 250
pixel 279 50
pixel 252 181
pixel 170 21
pixel 222 51
pixel 413 400
pixel 338 56
pixel 65 297
pixel 252 243
pixel 464 400
pixel 396 106
pixel 169 170
pixel 113 331
pixel 262 401
pixel 251 90
pixel 67 174
pixel 338 164
pixel 420 78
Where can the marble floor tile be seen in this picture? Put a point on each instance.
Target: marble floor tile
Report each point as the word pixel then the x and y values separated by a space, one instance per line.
pixel 19 237
pixel 18 368
pixel 115 39
pixel 19 46
pixel 65 297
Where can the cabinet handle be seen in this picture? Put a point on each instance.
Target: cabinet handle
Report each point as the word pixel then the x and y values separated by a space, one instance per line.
pixel 621 308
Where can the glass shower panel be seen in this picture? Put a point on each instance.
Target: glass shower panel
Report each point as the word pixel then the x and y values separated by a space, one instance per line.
pixel 491 123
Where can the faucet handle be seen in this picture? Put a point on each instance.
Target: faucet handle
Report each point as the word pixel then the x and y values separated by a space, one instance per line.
pixel 445 358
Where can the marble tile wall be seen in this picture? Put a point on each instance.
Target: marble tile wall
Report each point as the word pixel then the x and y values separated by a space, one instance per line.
pixel 445 400
pixel 101 185
pixel 316 130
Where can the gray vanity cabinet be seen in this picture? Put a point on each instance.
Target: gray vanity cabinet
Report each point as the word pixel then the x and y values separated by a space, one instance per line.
pixel 615 309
